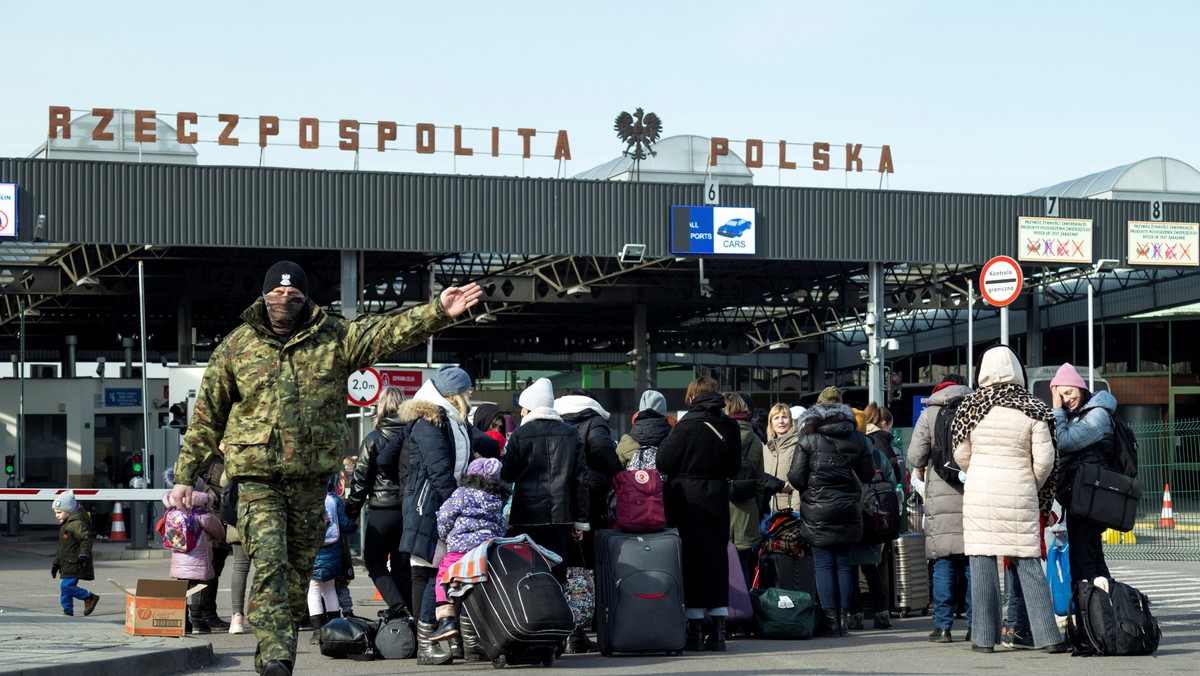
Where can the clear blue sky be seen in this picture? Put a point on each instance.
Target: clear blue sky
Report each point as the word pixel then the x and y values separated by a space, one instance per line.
pixel 979 97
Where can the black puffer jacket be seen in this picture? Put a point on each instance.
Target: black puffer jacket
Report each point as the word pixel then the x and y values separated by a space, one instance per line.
pixel 832 461
pixel 370 485
pixel 544 460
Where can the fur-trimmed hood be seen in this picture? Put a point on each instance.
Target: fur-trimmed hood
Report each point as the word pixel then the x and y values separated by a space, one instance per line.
pixel 834 416
pixel 543 413
pixel 429 404
pixel 573 404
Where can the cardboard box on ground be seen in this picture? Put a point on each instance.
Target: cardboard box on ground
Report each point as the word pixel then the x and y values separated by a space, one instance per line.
pixel 156 607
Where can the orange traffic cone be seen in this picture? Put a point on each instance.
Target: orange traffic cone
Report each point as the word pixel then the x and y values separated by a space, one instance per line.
pixel 118 524
pixel 1167 520
pixel 377 596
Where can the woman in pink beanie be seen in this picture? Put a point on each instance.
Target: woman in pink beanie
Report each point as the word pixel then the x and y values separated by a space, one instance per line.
pixel 1084 423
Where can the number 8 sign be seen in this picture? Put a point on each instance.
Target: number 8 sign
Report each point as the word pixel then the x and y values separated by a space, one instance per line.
pixel 363 387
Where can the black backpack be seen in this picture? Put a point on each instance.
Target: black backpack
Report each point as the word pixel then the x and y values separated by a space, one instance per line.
pixel 1116 622
pixel 1125 448
pixel 941 452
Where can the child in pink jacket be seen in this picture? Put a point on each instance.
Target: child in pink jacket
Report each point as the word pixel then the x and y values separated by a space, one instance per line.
pixel 196 566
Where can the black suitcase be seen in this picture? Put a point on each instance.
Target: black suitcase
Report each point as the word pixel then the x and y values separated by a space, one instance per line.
pixel 639 592
pixel 520 612
pixel 783 571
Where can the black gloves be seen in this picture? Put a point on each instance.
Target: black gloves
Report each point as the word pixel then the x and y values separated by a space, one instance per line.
pixel 54 569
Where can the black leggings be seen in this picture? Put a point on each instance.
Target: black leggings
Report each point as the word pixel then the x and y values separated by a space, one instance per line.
pixel 1086 552
pixel 384 527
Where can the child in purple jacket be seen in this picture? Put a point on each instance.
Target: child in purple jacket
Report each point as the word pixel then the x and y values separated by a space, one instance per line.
pixel 473 515
pixel 196 566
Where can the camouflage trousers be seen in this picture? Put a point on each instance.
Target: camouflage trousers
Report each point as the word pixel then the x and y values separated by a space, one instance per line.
pixel 282 526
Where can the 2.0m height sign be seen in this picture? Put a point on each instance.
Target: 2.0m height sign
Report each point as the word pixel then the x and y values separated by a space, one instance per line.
pixel 1000 281
pixel 363 387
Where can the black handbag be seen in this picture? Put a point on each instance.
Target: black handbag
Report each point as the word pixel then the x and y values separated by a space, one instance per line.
pixel 880 512
pixel 1105 497
pixel 229 502
pixel 351 637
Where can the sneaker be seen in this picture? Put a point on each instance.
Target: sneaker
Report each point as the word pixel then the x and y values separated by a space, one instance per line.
pixel 1058 648
pixel 216 623
pixel 89 604
pixel 1006 638
pixel 200 626
pixel 237 624
pixel 1019 641
pixel 446 627
pixel 68 613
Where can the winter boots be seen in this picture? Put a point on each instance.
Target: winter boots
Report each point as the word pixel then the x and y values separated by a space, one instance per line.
pixel 430 652
pixel 715 639
pixel 837 621
pixel 843 621
pixel 579 643
pixel 469 644
pixel 695 636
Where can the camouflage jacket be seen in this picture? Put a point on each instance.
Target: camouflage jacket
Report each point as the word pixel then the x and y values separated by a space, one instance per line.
pixel 280 407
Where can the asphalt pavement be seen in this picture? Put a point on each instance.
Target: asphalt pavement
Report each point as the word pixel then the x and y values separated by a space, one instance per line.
pixel 38 639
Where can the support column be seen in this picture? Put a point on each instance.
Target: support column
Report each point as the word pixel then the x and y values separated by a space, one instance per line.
pixel 1033 330
pixel 641 347
pixel 349 284
pixel 183 332
pixel 874 333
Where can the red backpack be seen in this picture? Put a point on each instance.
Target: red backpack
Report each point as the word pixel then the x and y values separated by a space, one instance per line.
pixel 639 498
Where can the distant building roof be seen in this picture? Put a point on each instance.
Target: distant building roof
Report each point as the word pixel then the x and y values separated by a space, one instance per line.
pixel 680 159
pixel 1146 179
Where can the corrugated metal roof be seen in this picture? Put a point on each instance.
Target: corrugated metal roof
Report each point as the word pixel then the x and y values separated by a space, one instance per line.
pixel 120 203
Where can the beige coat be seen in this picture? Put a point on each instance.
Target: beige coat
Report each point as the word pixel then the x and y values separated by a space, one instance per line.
pixel 1007 457
pixel 777 460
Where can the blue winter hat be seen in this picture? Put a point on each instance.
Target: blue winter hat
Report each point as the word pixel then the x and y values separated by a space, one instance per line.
pixel 450 380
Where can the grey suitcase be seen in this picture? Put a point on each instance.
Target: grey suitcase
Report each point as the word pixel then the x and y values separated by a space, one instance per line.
pixel 639 592
pixel 910 575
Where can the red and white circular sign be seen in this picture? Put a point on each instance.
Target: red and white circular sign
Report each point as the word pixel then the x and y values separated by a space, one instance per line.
pixel 363 387
pixel 1000 281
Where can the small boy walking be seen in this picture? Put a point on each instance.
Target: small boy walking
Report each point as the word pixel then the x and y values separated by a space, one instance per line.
pixel 74 558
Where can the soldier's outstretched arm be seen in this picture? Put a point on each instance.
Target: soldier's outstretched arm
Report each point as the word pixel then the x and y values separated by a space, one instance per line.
pixel 370 338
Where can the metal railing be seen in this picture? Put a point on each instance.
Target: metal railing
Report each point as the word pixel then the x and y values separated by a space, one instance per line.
pixel 1168 456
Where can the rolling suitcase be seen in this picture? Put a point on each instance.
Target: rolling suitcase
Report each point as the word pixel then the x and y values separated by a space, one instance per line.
pixel 639 592
pixel 519 612
pixel 909 575
pixel 784 571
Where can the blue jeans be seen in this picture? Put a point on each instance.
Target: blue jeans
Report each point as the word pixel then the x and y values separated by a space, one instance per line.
pixel 69 589
pixel 1017 618
pixel 945 569
pixel 835 585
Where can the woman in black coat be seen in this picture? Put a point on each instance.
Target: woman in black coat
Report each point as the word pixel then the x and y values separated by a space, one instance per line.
pixel 699 457
pixel 832 461
pixel 384 493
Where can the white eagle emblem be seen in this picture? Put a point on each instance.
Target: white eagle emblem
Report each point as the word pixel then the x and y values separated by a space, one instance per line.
pixel 285 279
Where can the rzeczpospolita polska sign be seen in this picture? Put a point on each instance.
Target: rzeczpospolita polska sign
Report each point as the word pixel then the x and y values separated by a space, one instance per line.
pixel 1000 281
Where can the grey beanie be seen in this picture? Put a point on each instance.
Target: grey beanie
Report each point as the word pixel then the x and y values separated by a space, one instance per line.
pixel 653 400
pixel 65 502
pixel 450 380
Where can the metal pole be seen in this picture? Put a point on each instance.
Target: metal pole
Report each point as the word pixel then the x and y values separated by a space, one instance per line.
pixel 1004 325
pixel 875 333
pixel 145 385
pixel 429 341
pixel 1091 333
pixel 970 331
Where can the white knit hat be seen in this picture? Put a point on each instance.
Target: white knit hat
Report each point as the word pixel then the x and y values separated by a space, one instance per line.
pixel 538 395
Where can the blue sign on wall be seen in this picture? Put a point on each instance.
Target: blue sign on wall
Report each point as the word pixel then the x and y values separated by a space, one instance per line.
pixel 713 230
pixel 919 405
pixel 122 396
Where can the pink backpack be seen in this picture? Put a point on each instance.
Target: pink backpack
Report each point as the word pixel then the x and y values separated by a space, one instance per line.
pixel 639 498
pixel 180 530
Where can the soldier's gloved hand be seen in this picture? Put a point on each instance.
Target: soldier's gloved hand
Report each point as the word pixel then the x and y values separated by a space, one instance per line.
pixel 54 569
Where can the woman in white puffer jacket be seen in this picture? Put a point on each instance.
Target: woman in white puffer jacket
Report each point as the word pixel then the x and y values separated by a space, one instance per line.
pixel 1004 441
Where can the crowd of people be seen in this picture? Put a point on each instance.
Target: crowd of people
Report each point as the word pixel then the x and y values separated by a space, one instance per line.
pixel 438 475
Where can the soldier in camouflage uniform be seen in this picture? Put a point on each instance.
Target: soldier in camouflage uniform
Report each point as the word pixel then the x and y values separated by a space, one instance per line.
pixel 274 391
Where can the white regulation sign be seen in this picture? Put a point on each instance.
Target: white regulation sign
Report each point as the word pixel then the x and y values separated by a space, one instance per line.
pixel 1000 281
pixel 363 387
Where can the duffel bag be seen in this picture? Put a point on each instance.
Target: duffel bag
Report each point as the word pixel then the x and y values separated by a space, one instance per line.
pixel 394 639
pixel 1105 497
pixel 351 637
pixel 783 613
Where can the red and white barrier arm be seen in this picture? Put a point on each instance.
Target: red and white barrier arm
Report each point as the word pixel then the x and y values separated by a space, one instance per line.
pixel 86 494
